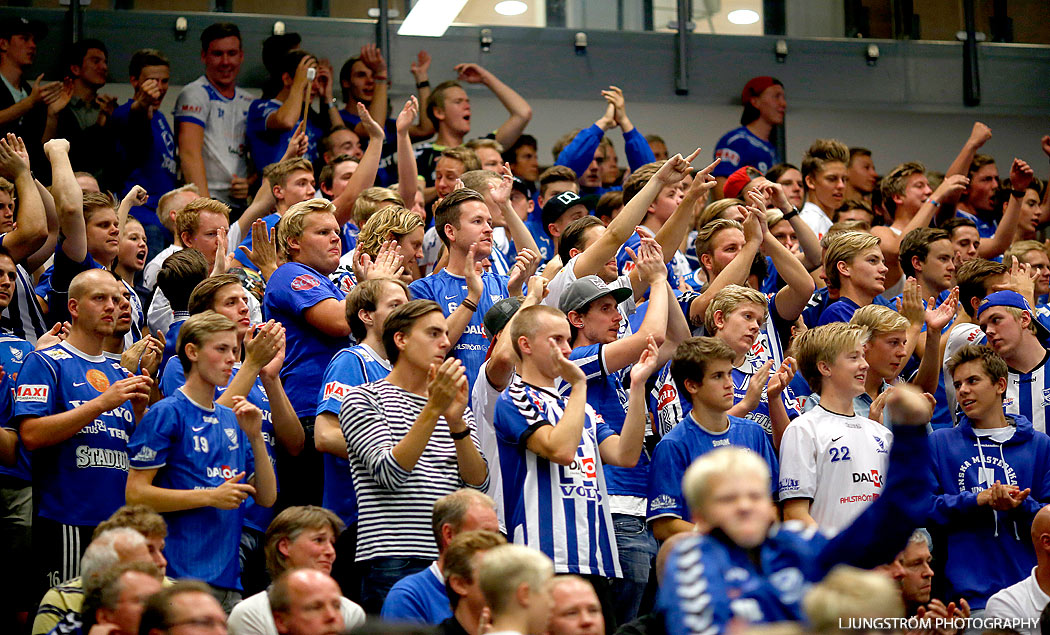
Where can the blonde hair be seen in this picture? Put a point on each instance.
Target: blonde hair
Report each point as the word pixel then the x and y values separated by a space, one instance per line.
pixel 7 186
pixel 880 320
pixel 94 201
pixel 372 200
pixel 507 567
pixel 848 592
pixel 1020 249
pixel 894 183
pixel 278 173
pixel 728 462
pixel 188 219
pixel 392 219
pixel 292 223
pixel 823 151
pixel 728 299
pixel 824 344
pixel 714 210
pixel 165 203
pixel 844 247
pixel 705 238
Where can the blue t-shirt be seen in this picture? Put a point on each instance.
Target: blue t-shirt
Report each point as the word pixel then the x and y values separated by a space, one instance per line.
pixel 625 265
pixel 606 394
pixel 268 146
pixel 984 228
pixel 419 598
pixel 350 367
pixel 13 351
pixel 193 447
pixel 155 167
pixel 740 147
pixel 172 378
pixel 840 310
pixel 171 339
pixel 291 290
pixel 686 442
pixel 449 291
pixel 562 510
pixel 81 480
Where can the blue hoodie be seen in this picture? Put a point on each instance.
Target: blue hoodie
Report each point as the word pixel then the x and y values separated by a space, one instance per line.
pixel 988 550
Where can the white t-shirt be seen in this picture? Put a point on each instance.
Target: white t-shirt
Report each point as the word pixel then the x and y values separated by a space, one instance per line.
pixel 1024 600
pixel 149 273
pixel 566 276
pixel 252 616
pixel 815 217
pixel 839 462
pixel 225 151
pixel 483 398
pixel 961 334
pixel 159 316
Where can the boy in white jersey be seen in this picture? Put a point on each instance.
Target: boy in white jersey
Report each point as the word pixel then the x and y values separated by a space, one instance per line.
pixel 832 461
pixel 1013 332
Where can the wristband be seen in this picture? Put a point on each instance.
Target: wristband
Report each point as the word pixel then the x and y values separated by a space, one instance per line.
pixel 793 213
pixel 456 436
pixel 470 305
pixel 423 84
pixel 934 203
pixel 380 79
pixel 1017 193
pixel 334 103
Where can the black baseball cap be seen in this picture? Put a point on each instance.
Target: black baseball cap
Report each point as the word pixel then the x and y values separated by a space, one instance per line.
pixel 555 207
pixel 14 25
pixel 499 314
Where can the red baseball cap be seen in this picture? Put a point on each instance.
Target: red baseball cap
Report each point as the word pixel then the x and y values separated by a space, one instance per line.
pixel 755 87
pixel 736 182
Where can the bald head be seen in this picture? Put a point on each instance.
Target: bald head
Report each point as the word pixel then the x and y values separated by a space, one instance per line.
pixel 90 280
pixel 1041 525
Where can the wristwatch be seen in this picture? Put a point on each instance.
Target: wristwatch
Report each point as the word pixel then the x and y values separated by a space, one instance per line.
pixel 793 213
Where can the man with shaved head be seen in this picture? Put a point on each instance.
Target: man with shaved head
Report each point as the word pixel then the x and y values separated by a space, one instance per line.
pixel 306 602
pixel 1028 598
pixel 74 410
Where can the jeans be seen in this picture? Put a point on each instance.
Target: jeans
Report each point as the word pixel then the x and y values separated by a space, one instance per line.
pixel 378 575
pixel 637 548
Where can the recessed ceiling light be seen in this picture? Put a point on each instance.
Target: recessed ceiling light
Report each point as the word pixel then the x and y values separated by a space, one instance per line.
pixel 743 16
pixel 511 7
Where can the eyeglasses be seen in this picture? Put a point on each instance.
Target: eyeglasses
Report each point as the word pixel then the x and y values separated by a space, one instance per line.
pixel 215 623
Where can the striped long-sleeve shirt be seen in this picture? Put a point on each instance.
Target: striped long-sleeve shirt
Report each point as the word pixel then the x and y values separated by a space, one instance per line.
pixel 395 505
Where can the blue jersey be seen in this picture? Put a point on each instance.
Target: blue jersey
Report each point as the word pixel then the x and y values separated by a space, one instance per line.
pixel 153 157
pixel 606 394
pixel 709 580
pixel 268 146
pixel 257 517
pixel 984 228
pixel 561 510
pixel 350 367
pixel 13 351
pixel 81 480
pixel 291 290
pixel 684 444
pixel 271 222
pixel 841 310
pixel 625 265
pixel 1028 394
pixel 171 339
pixel 740 147
pixel 449 291
pixel 193 447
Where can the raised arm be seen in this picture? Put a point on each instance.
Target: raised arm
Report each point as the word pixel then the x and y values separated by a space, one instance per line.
pixel 502 358
pixel 519 233
pixel 30 233
pixel 928 375
pixel 69 200
pixel 420 68
pixel 791 299
pixel 635 146
pixel 373 58
pixel 678 223
pixel 624 449
pixel 407 170
pixel 1020 177
pixel 807 238
pixel 365 175
pixel 558 443
pixel 620 229
pixel 625 351
pixel 519 110
pixel 735 272
pixel 979 135
pixel 287 116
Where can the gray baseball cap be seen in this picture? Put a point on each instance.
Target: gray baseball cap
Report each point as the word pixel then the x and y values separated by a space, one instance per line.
pixel 588 289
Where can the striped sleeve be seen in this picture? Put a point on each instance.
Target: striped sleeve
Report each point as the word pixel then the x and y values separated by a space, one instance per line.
pixel 521 420
pixel 368 437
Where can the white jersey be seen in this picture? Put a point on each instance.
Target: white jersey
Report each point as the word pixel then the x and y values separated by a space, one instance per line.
pixel 1028 394
pixel 431 251
pixel 815 217
pixel 483 398
pixel 839 462
pixel 961 334
pixel 224 122
pixel 149 273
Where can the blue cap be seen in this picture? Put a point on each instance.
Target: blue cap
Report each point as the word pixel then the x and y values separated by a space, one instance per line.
pixel 1015 300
